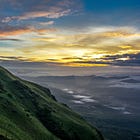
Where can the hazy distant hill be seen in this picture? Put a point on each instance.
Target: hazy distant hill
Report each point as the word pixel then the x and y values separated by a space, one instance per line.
pixel 29 112
pixel 109 102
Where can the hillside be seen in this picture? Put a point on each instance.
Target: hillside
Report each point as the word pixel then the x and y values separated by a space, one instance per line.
pixel 29 112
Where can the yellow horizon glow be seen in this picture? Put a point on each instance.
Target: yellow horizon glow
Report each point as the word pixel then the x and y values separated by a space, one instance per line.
pixel 77 50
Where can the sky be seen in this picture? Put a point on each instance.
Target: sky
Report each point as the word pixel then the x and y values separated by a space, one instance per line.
pixel 73 33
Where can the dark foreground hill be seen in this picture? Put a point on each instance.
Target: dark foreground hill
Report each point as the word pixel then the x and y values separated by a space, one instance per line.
pixel 29 112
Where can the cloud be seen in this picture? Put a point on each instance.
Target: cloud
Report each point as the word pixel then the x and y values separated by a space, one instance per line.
pixel 108 47
pixel 90 48
pixel 120 33
pixel 23 61
pixel 8 30
pixel 10 39
pixel 38 14
pixel 10 57
pixel 13 31
pixel 125 59
pixel 119 60
pixel 38 9
pixel 46 23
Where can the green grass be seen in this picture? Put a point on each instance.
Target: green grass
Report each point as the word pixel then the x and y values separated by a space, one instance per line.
pixel 29 112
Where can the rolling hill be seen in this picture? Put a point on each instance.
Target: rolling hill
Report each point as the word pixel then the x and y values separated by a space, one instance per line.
pixel 30 112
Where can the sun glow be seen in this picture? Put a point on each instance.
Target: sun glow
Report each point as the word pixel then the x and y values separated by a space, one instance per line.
pixel 77 49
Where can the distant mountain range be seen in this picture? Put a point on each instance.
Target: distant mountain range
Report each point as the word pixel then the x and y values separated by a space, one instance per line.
pixel 109 102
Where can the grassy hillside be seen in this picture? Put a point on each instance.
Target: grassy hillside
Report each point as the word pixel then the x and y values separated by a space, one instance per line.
pixel 29 112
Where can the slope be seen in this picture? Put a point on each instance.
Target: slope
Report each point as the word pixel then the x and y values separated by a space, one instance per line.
pixel 29 112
